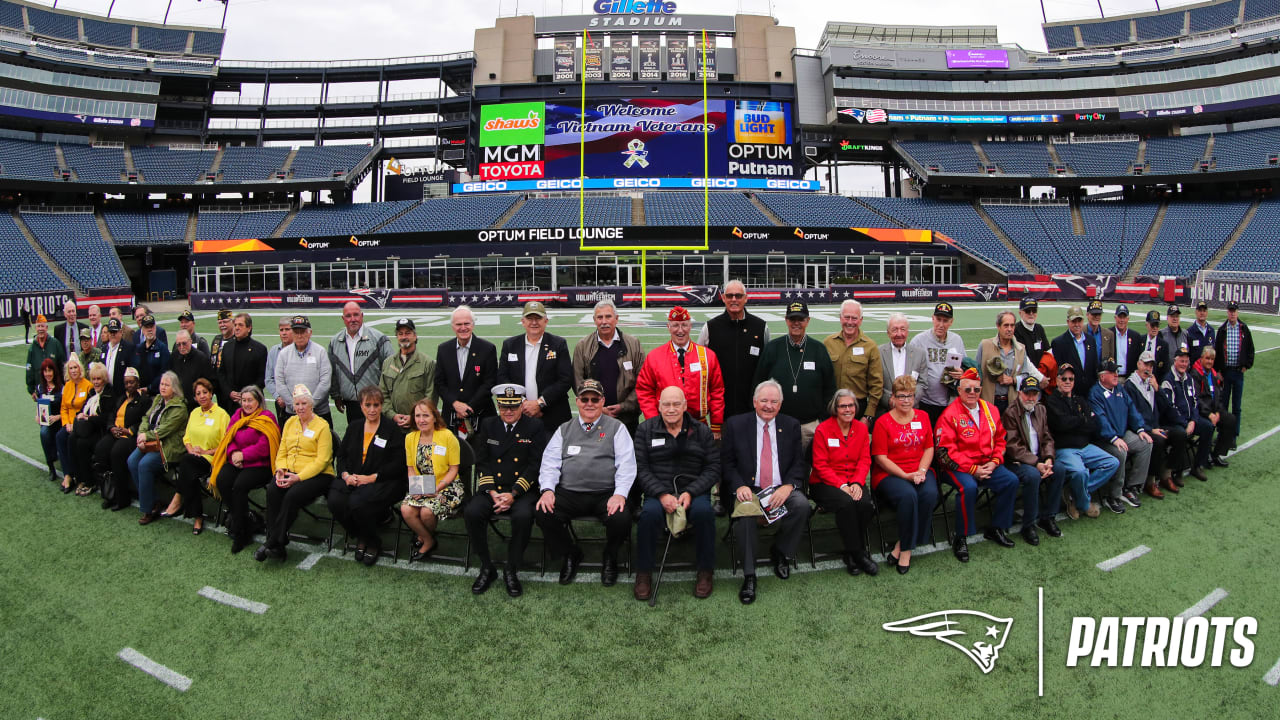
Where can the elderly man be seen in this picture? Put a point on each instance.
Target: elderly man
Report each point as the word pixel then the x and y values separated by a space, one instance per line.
pixel 1121 344
pixel 88 352
pixel 187 321
pixel 1029 453
pixel 141 311
pixel 117 354
pixel 1093 328
pixel 304 363
pixel 407 377
pixel 803 368
pixel 1168 431
pixel 1029 332
pixel 150 356
pixel 763 469
pixel 44 347
pixel 856 360
pixel 970 444
pixel 1182 395
pixel 508 456
pixel 898 358
pixel 1211 401
pixel 190 364
pixel 244 363
pixel 1201 334
pixel 943 352
pixel 677 464
pixel 1078 349
pixel 126 333
pixel 685 364
pixel 97 330
pixel 614 359
pixel 1151 340
pixel 466 371
pixel 1014 363
pixel 1172 338
pixel 737 338
pixel 1234 343
pixel 1074 426
pixel 68 333
pixel 1122 428
pixel 225 337
pixel 587 470
pixel 356 355
pixel 539 361
pixel 285 329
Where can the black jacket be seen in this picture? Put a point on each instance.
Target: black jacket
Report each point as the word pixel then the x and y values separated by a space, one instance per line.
pixel 124 359
pixel 244 362
pixel 1246 347
pixel 1071 420
pixel 151 362
pixel 1162 415
pixel 108 403
pixel 1209 398
pixel 554 375
pixel 1029 339
pixel 60 334
pixel 508 463
pixel 191 367
pixel 740 455
pixel 1064 351
pixel 737 345
pixel 688 462
pixel 385 460
pixel 475 385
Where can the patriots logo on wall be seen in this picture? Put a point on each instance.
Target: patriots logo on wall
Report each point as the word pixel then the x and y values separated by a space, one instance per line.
pixel 379 297
pixel 985 290
pixel 976 634
pixel 855 113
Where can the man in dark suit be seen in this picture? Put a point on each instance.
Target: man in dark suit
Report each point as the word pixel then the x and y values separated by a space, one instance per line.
pixel 117 354
pixel 466 371
pixel 1078 348
pixel 761 452
pixel 244 363
pixel 540 361
pixel 68 333
pixel 1125 350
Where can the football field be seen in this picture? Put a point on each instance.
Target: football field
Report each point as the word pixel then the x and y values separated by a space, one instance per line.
pixel 102 618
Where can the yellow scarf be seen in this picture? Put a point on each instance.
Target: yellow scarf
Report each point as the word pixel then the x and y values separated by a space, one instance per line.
pixel 256 421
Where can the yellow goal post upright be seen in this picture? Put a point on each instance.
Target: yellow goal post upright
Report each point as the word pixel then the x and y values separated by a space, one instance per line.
pixel 582 177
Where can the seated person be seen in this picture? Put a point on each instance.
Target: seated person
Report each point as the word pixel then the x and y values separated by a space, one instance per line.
pixel 112 451
pixel 838 481
pixel 160 447
pixel 1181 391
pixel 206 425
pixel 1121 428
pixel 371 475
pixel 244 461
pixel 304 472
pixel 902 447
pixel 90 425
pixel 75 393
pixel 1211 401
pixel 1168 435
pixel 1029 452
pixel 431 452
pixel 1074 426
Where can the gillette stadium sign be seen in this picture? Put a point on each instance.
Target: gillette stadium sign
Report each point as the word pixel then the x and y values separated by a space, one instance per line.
pixel 634 7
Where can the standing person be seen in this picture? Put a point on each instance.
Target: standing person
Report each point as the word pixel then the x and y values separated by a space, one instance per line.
pixel 244 360
pixel 356 354
pixel 159 444
pixel 206 425
pixel 943 351
pixel 151 356
pixel 1151 340
pixel 1182 395
pixel 587 469
pixel 539 361
pixel 186 321
pixel 466 371
pixel 1172 338
pixel 1201 334
pixel 48 397
pixel 1168 432
pixel 761 453
pixel 1029 332
pixel 902 447
pixel 1212 403
pixel 244 460
pixel 432 454
pixel 225 335
pixel 88 352
pixel 44 347
pixel 898 358
pixel 305 363
pixel 685 364
pixel 856 360
pixel 970 444
pixel 117 354
pixel 1029 453
pixel 838 482
pixel 285 328
pixel 26 326
pixel 1234 344
pixel 803 368
pixel 371 475
pixel 1121 344
pixel 75 393
pixel 737 338
pixel 614 359
pixel 1014 363
pixel 1121 426
pixel 68 333
pixel 508 457
pixel 115 313
pixel 141 311
pixel 407 377
pixel 1077 348
pixel 97 331
pixel 304 472
pixel 190 365
pixel 1093 328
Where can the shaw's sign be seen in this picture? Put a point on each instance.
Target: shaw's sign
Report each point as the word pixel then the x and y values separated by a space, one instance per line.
pixel 634 7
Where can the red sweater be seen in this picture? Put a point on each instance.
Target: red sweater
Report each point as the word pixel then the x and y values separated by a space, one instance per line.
pixel 963 444
pixel 840 460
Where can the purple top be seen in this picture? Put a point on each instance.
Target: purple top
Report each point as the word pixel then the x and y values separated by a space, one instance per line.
pixel 254 445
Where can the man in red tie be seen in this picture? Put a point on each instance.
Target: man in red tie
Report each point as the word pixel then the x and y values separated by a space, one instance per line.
pixel 687 365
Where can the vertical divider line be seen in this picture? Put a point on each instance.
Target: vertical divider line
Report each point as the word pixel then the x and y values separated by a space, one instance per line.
pixel 1040 644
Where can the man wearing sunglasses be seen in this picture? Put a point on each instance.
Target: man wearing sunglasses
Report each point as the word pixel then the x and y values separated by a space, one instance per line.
pixel 737 338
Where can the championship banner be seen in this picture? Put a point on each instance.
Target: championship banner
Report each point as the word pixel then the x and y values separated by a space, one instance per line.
pixel 677 58
pixel 566 49
pixel 592 59
pixel 650 67
pixel 1252 294
pixel 620 58
pixel 1145 288
pixel 709 45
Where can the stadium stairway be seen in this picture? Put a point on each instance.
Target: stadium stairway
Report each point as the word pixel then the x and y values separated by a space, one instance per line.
pixel 287 166
pixel 393 218
pixel 216 165
pixel 102 227
pixel 1208 152
pixel 1057 161
pixel 766 211
pixel 977 147
pixel 62 162
pixel 45 256
pixel 192 221
pixel 1004 238
pixel 1077 220
pixel 637 211
pixel 511 212
pixel 893 221
pixel 133 170
pixel 1152 233
pixel 1141 158
pixel 1235 235
pixel 288 218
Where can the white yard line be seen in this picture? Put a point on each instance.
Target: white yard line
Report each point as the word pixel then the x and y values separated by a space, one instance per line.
pixel 1255 441
pixel 310 561
pixel 30 461
pixel 1204 605
pixel 1122 558
pixel 172 678
pixel 234 601
pixel 1272 677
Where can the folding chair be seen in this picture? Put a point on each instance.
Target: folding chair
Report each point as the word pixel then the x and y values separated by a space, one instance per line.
pixel 466 476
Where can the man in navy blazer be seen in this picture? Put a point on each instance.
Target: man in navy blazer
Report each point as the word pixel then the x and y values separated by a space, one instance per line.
pixel 1121 344
pixel 760 450
pixel 547 383
pixel 466 371
pixel 1066 348
pixel 68 333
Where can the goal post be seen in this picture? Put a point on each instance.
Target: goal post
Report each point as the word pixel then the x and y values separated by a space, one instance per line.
pixel 1253 291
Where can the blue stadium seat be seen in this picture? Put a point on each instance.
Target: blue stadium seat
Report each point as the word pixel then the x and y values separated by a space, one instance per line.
pixel 1191 233
pixel 114 34
pixel 1257 248
pixel 952 158
pixel 11 16
pixel 53 24
pixel 1111 33
pixel 162 165
pixel 1175 155
pixel 162 40
pixel 25 271
pixel 1245 149
pixel 147 227
pixel 563 212
pixel 251 164
pixel 457 213
pixel 1214 17
pixel 1020 158
pixel 822 210
pixel 102 165
pixel 1162 26
pixel 322 162
pixel 958 221
pixel 1061 37
pixel 207 43
pixel 25 159
pixel 1261 9
pixel 76 244
pixel 689 208
pixel 1102 159
pixel 355 219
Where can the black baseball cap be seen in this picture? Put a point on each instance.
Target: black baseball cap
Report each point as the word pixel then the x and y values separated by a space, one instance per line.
pixel 1030 384
pixel 147 320
pixel 1202 305
pixel 1173 310
pixel 1153 317
pixel 1122 311
pixel 1029 304
pixel 1108 366
pixel 797 310
pixel 1182 350
pixel 113 325
pixel 406 323
pixel 1232 305
pixel 943 309
pixel 300 321
pixel 1095 307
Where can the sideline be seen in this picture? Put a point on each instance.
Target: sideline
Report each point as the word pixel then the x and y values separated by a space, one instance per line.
pixel 234 601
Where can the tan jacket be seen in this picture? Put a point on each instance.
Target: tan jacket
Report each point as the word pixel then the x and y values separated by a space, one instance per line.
pixel 629 363
pixel 860 372
pixel 987 349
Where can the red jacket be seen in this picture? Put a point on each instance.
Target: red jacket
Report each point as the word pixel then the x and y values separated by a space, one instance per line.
pixel 703 385
pixel 963 445
pixel 838 460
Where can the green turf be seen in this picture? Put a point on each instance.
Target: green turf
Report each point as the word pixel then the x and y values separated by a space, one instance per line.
pixel 344 641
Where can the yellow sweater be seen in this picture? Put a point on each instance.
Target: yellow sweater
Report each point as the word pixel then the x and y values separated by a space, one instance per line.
pixel 74 396
pixel 205 430
pixel 306 451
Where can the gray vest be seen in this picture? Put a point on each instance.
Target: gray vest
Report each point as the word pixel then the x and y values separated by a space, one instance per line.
pixel 591 469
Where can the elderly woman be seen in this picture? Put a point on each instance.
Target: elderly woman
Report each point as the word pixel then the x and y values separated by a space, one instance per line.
pixel 206 425
pixel 838 481
pixel 902 446
pixel 48 395
pixel 244 461
pixel 112 451
pixel 432 453
pixel 75 393
pixel 304 472
pixel 91 424
pixel 159 444
pixel 371 475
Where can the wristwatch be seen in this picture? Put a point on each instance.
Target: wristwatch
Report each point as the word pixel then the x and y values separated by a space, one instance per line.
pixel 542 403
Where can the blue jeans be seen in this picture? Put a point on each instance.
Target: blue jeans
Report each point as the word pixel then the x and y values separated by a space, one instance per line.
pixel 1029 477
pixel 702 522
pixel 1233 379
pixel 1086 469
pixel 1002 483
pixel 143 468
pixel 49 443
pixel 65 457
pixel 913 504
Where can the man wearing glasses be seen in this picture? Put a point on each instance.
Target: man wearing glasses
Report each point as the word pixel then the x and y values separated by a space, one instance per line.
pixel 1029 332
pixel 737 338
pixel 1073 426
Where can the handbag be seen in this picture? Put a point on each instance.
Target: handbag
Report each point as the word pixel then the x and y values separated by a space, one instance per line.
pixel 150 446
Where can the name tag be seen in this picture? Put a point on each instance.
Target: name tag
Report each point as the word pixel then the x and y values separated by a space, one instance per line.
pixel 833 442
pixel 81 394
pixel 695 367
pixel 440 450
pixel 859 351
pixel 573 449
pixel 308 433
pixel 626 365
pixel 157 353
pixel 512 357
pixel 380 442
pixel 493 442
pixel 809 365
pixel 311 360
pixel 1195 343
pixel 753 350
pixel 915 425
pixel 657 442
pixel 1036 345
pixel 1106 393
pixel 208 421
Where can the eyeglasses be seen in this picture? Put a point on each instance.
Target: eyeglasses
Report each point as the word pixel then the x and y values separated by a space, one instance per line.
pixel 971 390
pixel 847 406
pixel 904 397
pixel 590 400
pixel 734 296
pixel 1067 379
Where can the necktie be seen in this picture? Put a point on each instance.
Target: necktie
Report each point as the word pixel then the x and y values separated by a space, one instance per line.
pixel 766 458
pixel 587 427
pixel 509 430
pixel 680 356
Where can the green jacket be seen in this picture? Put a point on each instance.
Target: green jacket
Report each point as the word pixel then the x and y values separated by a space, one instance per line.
pixel 403 384
pixel 86 358
pixel 808 380
pixel 170 429
pixel 36 356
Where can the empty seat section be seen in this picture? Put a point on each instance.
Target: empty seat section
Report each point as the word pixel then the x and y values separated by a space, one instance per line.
pixel 25 270
pixel 322 162
pixel 950 157
pixel 251 164
pixel 1020 158
pixel 957 220
pixel 53 24
pixel 688 208
pixel 1214 17
pixel 1033 232
pixel 216 225
pixel 1257 248
pixel 1175 155
pixel 1190 234
pixel 95 164
pixel 24 159
pixel 1100 159
pixel 1160 27
pixel 1261 9
pixel 76 244
pixel 11 16
pixel 463 213
pixel 207 43
pixel 1245 150
pixel 98 32
pixel 1062 37
pixel 170 41
pixel 353 219
pixel 1115 32
pixel 162 165
pixel 821 209
pixel 563 212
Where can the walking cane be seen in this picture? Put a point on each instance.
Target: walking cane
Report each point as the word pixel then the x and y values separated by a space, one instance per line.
pixel 653 596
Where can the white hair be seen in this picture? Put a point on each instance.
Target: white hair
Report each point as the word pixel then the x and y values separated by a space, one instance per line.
pixel 734 282
pixel 850 303
pixel 460 309
pixel 770 383
pixel 898 317
pixel 606 303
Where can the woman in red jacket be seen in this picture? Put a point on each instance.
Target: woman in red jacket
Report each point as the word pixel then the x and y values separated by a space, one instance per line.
pixel 841 460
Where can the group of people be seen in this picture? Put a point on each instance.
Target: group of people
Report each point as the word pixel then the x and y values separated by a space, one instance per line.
pixel 734 423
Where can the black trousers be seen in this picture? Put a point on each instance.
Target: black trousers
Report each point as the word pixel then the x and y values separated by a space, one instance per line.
pixel 789 530
pixel 284 504
pixel 360 510
pixel 1226 429
pixel 477 513
pixel 1169 454
pixel 83 446
pixel 851 515
pixel 351 408
pixel 569 505
pixel 112 454
pixel 234 484
pixel 191 468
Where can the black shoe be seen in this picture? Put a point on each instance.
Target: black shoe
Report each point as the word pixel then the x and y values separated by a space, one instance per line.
pixel 371 553
pixel 360 554
pixel 891 560
pixel 238 544
pixel 1114 505
pixel 781 565
pixel 512 581
pixel 423 556
pixel 569 569
pixel 609 571
pixel 1029 534
pixel 850 566
pixel 1196 472
pixel 998 536
pixel 487 575
pixel 748 592
pixel 1131 499
pixel 1219 461
pixel 903 569
pixel 262 553
pixel 118 507
pixel 867 565
pixel 106 504
pixel 961 549
pixel 1050 526
pixel 718 509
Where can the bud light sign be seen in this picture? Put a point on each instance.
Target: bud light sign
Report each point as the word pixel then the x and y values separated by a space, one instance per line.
pixel 959 59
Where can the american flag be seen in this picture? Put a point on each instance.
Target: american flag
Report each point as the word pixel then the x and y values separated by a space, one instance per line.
pixel 877 116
